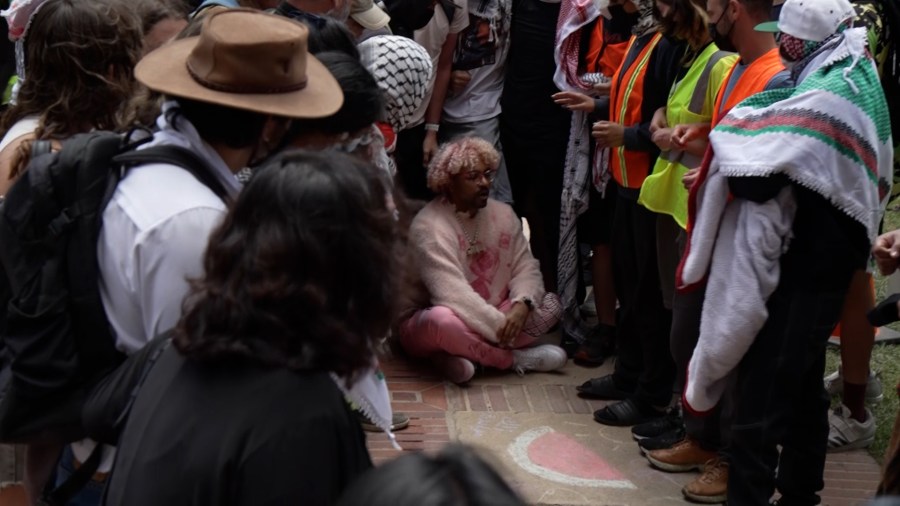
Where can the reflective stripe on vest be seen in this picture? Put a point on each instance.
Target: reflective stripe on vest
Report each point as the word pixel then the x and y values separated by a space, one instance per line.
pixel 689 102
pixel 754 80
pixel 628 92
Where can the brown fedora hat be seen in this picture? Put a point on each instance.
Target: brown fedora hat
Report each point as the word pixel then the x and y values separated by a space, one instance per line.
pixel 248 60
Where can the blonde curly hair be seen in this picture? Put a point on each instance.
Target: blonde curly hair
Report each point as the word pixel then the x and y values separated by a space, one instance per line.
pixel 453 157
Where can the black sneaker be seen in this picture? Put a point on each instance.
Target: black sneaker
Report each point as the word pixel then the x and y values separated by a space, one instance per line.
pixel 658 427
pixel 663 441
pixel 597 347
pixel 569 344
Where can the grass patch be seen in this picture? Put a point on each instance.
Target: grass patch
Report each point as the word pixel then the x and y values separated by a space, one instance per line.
pixel 885 362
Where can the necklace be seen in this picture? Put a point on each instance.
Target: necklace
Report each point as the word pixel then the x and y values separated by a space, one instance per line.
pixel 474 246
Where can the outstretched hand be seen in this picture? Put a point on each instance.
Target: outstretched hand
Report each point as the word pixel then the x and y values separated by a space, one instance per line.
pixel 574 101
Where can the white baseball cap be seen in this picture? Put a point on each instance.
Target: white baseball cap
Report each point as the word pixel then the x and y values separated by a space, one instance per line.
pixel 813 20
pixel 369 15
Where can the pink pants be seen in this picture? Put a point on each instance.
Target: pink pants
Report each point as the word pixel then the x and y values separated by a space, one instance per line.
pixel 438 330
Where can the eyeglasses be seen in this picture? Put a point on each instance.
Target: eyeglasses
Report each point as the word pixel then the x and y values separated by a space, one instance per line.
pixel 475 176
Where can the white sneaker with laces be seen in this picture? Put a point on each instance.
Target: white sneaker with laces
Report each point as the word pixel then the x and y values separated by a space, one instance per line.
pixel 542 358
pixel 834 385
pixel 845 433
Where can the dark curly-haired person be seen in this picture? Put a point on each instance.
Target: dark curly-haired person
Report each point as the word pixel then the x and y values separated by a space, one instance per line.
pixel 246 406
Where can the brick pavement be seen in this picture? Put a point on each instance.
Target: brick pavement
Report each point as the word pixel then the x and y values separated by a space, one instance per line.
pixel 494 408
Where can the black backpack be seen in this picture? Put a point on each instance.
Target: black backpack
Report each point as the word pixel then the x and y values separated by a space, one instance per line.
pixel 407 16
pixel 55 339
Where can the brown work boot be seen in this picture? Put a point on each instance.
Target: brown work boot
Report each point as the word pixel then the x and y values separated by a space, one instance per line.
pixel 685 455
pixel 711 487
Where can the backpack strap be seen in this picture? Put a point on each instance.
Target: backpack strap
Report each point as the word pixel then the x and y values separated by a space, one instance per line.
pixel 41 147
pixel 176 155
pixel 61 495
pixel 449 9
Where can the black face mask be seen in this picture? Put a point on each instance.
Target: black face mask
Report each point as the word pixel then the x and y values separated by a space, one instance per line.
pixel 618 29
pixel 722 41
pixel 421 16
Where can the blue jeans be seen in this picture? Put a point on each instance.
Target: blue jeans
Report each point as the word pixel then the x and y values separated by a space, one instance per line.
pixel 91 494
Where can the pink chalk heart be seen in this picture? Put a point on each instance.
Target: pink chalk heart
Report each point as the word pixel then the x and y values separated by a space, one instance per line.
pixel 559 453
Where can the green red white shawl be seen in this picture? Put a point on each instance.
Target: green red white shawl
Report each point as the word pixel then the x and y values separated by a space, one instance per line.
pixel 830 134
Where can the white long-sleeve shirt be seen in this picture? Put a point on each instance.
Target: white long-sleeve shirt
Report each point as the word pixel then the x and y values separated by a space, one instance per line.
pixel 154 234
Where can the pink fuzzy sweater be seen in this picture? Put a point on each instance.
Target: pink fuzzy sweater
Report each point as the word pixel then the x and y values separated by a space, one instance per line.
pixel 474 286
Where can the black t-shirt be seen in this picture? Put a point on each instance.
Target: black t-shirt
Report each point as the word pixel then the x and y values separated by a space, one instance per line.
pixel 236 434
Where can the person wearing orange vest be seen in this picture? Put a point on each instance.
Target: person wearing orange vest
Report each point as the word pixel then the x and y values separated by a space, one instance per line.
pixel 694 441
pixel 644 370
pixel 605 47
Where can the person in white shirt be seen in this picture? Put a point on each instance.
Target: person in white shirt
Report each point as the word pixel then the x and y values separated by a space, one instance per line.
pixel 472 105
pixel 219 100
pixel 418 142
pixel 156 225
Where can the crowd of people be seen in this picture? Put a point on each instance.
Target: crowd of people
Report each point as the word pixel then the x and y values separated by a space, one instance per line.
pixel 282 187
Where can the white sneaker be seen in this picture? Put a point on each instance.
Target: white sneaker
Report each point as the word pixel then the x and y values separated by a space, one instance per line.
pixel 834 385
pixel 542 358
pixel 455 369
pixel 588 308
pixel 845 433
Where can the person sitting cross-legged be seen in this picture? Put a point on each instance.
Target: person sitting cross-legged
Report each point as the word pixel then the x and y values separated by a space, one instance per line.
pixel 485 300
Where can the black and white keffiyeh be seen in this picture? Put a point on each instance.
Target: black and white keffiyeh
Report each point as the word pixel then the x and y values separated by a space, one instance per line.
pixel 402 68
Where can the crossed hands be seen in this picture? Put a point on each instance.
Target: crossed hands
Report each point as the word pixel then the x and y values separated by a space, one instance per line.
pixel 512 327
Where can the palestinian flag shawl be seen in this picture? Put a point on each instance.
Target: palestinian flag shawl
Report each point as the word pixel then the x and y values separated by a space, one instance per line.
pixel 830 134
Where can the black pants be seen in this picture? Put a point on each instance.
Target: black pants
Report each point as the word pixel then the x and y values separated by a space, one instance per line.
pixel 412 175
pixel 781 400
pixel 713 430
pixel 780 396
pixel 537 184
pixel 534 131
pixel 644 361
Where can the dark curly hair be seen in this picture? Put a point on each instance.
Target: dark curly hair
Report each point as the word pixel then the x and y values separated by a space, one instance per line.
pixel 79 65
pixel 363 99
pixel 301 273
pixel 457 475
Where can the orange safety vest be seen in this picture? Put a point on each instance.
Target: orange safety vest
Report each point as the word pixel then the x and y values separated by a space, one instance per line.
pixel 602 56
pixel 754 80
pixel 630 168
